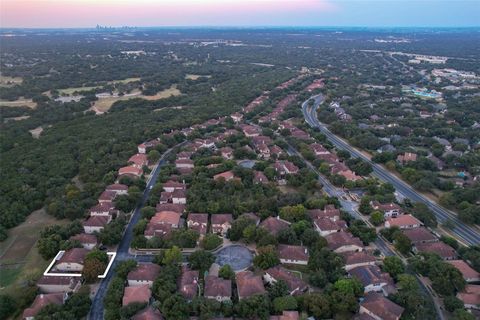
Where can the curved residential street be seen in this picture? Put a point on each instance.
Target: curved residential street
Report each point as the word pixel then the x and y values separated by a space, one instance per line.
pixel 464 233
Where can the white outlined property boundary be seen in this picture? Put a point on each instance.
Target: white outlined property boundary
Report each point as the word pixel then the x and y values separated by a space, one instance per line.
pixel 112 256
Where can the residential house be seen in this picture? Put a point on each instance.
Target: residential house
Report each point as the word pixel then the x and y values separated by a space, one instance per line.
pixel 54 284
pixel 252 216
pixel 218 289
pixel 286 315
pixel 179 208
pixel 88 241
pixel 354 259
pixel 221 223
pixel 227 176
pixel 405 221
pixel 144 147
pixel 179 196
pixel 162 224
pixel 41 301
pixel 293 254
pixel 248 284
pixel 468 273
pixel 188 283
pixel 143 274
pixel 130 171
pixel 274 225
pixel 318 149
pixel 470 296
pixel 295 285
pixel 226 153
pixel 103 209
pixel 198 222
pixel 140 294
pixel 326 226
pixel 419 235
pixel 118 188
pixel 184 163
pixel 107 197
pixel 380 308
pixel 95 223
pixel 149 313
pixel 71 260
pixel 259 177
pixel 171 186
pixel 138 160
pixel 389 210
pixel 329 212
pixel 406 157
pixel 441 249
pixel 373 279
pixel 236 117
pixel 343 242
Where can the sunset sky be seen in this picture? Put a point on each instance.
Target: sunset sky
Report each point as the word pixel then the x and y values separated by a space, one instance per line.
pixel 143 13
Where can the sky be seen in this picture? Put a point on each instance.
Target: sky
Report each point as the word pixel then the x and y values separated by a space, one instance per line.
pixel 156 13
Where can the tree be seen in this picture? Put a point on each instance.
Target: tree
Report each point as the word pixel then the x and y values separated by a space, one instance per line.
pixel 235 233
pixel 345 295
pixel 452 303
pixel 394 266
pixel 402 243
pixel 424 214
pixel 172 256
pixel 318 305
pixel 7 306
pixel 267 257
pixel 211 241
pixel 293 213
pixel 359 229
pixel 462 314
pixel 226 272
pixel 377 218
pixel 175 307
pixel 94 264
pixel 153 156
pixel 278 289
pixel 364 206
pixel 254 307
pixel 284 303
pixel 201 260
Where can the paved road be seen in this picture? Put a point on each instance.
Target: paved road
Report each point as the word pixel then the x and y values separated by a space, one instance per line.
pixel 466 234
pixel 97 309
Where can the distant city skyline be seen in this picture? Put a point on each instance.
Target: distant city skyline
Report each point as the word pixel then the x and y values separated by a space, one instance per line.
pixel 158 13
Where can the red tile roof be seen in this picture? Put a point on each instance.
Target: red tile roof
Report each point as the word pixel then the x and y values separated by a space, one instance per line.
pixel 289 252
pixel 117 187
pixel 227 175
pixel 217 287
pixel 138 159
pixel 339 239
pixel 467 272
pixel 352 258
pixel 293 282
pixel 41 301
pixel 171 207
pixel 166 217
pixel 382 307
pixel 85 238
pixel 274 225
pixel 249 284
pixel 418 235
pixel 96 221
pixel 221 218
pixel 470 294
pixel 136 294
pixel 74 255
pixel 129 170
pixel 403 221
pixel 145 272
pixel 188 283
pixel 440 248
pixel 148 314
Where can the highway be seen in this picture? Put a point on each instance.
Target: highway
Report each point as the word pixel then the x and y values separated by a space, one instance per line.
pixel 464 233
pixel 97 309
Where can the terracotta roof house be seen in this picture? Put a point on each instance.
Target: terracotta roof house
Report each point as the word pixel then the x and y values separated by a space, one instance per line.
pixel 236 117
pixel 227 153
pixel 286 315
pixel 470 296
pixel 54 284
pixel 227 176
pixel 179 196
pixel 184 163
pixel 71 260
pixel 468 273
pixel 179 208
pixel 138 160
pixel 107 197
pixel 171 186
pixel 221 222
pixel 41 301
pixel 117 188
pixel 102 209
pixel 248 284
pixel 143 147
pixel 184 155
pixel 390 210
pixel 166 217
pixel 217 288
pixel 285 167
pixel 293 254
pixel 329 212
pixel 379 307
pixel 276 150
pixel 443 250
pixel 148 313
pixel 95 223
pixel 343 242
pixel 406 157
pixel 252 216
pixel 357 259
pixel 250 131
pixel 143 274
pixel 419 235
pixel 198 222
pixel 318 149
pixel 274 225
pixel 130 171
pixel 405 221
pixel 88 241
pixel 372 278
pixel 157 230
pixel 188 283
pixel 140 294
pixel 295 285
pixel 325 226
pixel 259 177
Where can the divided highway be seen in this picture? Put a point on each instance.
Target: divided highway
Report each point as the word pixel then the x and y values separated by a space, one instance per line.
pixel 466 234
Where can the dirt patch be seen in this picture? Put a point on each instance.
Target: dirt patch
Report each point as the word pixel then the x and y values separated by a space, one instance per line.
pixel 16 118
pixel 70 91
pixel 196 76
pixel 36 132
pixel 6 81
pixel 19 103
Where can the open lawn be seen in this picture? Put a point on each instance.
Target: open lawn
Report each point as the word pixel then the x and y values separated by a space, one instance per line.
pixel 19 257
pixel 104 104
pixel 6 81
pixel 19 103
pixel 70 91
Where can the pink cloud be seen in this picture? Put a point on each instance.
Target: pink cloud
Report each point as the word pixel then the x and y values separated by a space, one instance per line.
pixel 87 13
